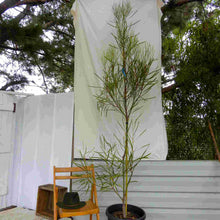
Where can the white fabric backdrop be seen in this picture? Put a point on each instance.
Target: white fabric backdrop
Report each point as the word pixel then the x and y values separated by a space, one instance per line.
pixel 92 36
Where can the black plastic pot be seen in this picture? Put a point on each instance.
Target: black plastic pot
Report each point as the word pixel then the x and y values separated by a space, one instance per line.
pixel 131 208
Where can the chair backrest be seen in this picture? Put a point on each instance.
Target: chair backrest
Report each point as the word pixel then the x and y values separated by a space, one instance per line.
pixel 85 172
pixel 72 170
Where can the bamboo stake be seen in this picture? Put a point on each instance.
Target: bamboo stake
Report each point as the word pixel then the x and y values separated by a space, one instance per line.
pixel 214 141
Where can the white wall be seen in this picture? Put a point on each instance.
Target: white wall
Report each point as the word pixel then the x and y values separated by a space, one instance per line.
pixel 6 134
pixel 43 138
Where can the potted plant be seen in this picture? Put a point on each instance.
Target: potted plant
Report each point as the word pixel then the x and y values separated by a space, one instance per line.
pixel 125 84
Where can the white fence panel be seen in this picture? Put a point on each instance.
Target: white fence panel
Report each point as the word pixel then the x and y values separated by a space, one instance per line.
pixel 6 142
pixel 44 127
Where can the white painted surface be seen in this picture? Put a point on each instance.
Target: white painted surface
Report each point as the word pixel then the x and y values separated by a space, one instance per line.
pixel 183 190
pixel 6 102
pixel 6 141
pixel 6 122
pixel 4 170
pixel 43 139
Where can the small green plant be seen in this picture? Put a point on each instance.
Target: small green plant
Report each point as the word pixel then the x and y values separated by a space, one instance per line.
pixel 126 81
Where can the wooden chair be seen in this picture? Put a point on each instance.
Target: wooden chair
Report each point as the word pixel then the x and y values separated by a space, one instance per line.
pixel 91 206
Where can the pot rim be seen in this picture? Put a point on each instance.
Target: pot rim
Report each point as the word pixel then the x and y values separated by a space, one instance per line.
pixel 118 207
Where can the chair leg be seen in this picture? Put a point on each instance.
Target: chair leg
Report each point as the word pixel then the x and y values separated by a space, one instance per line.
pixel 56 217
pixel 97 216
pixel 90 217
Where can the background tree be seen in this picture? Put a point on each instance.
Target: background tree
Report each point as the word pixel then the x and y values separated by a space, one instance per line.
pixel 36 39
pixel 191 69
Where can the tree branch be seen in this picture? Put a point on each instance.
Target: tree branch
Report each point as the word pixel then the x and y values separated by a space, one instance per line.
pixel 19 49
pixel 61 32
pixel 48 24
pixel 42 73
pixel 173 4
pixel 13 83
pixel 182 2
pixel 10 48
pixel 33 2
pixel 7 4
pixel 22 15
pixel 214 141
pixel 169 88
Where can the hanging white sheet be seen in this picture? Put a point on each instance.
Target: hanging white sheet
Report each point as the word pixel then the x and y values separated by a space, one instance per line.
pixel 93 34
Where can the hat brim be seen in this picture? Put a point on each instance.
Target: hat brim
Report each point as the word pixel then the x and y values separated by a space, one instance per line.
pixel 75 206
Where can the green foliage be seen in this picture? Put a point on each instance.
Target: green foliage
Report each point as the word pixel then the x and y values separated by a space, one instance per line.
pixel 125 83
pixel 193 64
pixel 39 41
pixel 126 68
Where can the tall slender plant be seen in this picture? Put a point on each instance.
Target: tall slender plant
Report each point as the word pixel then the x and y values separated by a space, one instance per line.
pixel 126 81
